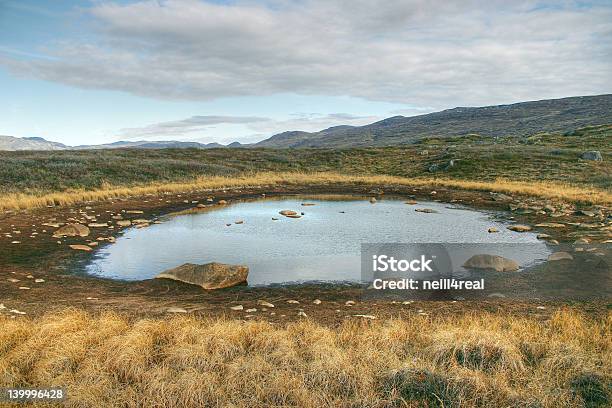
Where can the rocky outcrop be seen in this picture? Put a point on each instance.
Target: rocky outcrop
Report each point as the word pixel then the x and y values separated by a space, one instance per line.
pixel 212 275
pixel 495 262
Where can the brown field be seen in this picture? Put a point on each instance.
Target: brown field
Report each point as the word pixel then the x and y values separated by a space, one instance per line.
pixel 478 359
pixel 541 189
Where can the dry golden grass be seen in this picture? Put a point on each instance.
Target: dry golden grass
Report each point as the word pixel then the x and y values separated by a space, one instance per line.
pixel 476 360
pixel 547 190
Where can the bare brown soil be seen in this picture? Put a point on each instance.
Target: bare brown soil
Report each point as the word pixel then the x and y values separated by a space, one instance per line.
pixel 39 256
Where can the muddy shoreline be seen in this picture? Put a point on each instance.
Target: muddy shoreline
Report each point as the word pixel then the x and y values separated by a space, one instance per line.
pixel 39 256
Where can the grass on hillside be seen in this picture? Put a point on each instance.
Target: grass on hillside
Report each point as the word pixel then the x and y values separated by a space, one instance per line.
pixel 543 157
pixel 470 361
pixel 547 190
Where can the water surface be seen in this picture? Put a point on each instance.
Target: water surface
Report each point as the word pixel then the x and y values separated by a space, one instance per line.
pixel 323 245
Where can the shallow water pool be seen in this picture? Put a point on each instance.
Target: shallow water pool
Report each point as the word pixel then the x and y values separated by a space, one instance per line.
pixel 323 245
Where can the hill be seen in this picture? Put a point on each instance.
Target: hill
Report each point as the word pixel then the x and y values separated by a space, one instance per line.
pixel 519 119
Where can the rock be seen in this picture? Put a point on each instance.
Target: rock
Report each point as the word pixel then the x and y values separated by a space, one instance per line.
pixel 13 280
pixel 582 241
pixel 519 228
pixel 134 212
pixel 553 242
pixel 212 275
pixel 308 204
pixel 201 206
pixel 492 229
pixel 264 303
pixel 543 236
pixel 253 310
pixel 495 262
pixel 550 225
pixel 349 302
pixel 585 212
pixel 592 155
pixel 71 230
pixel 124 223
pixel 175 310
pixel 238 307
pixel 97 225
pixel 317 301
pixel 372 200
pixel 222 202
pixel 560 256
pixel 239 222
pixel 293 302
pixel 80 247
pixel 411 202
pixel 365 316
pixel 140 221
pixel 294 216
pixel 39 280
pixel 287 212
pixel 302 314
pixel 426 210
pixel 274 219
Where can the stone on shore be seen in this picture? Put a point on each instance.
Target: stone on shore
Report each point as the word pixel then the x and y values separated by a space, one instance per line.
pixel 495 262
pixel 209 276
pixel 72 230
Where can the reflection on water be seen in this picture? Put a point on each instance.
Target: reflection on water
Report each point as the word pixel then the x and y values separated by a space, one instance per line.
pixel 323 245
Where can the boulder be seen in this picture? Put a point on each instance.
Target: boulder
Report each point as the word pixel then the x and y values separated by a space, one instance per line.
pixel 559 256
pixel 212 275
pixel 72 230
pixel 495 262
pixel 592 155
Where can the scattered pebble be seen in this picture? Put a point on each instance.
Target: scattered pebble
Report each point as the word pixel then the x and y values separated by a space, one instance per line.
pixel 293 302
pixel 317 301
pixel 238 307
pixel 302 314
pixel 253 310
pixel 365 316
pixel 264 303
pixel 176 310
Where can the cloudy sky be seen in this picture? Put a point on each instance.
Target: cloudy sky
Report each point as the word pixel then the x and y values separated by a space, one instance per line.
pixel 97 71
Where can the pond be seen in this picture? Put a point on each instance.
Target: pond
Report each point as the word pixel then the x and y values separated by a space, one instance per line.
pixel 323 245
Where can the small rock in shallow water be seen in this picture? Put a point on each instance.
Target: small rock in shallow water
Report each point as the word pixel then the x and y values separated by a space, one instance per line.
pixel 492 229
pixel 426 210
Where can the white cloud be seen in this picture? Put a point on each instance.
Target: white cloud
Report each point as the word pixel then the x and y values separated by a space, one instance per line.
pixel 417 52
pixel 180 128
pixel 203 128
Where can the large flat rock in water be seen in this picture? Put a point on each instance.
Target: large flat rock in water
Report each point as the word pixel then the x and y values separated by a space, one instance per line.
pixel 212 275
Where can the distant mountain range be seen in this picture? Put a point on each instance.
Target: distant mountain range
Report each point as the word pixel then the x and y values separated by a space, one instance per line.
pixel 524 118
pixel 38 143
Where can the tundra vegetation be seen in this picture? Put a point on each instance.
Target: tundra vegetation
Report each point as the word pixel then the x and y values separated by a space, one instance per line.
pixel 477 359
